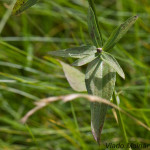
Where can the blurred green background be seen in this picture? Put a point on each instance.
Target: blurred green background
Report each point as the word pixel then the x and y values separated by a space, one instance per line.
pixel 28 74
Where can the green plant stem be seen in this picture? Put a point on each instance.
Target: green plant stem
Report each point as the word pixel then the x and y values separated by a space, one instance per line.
pixel 120 120
pixel 91 3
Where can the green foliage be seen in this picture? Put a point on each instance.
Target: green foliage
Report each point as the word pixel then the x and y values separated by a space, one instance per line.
pixel 118 33
pixel 93 29
pixel 75 77
pixel 110 60
pixel 84 60
pixel 29 74
pixel 100 80
pixel 100 75
pixel 76 52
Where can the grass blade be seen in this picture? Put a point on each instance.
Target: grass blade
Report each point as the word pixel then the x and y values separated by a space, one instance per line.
pixel 22 5
pixel 110 60
pixel 100 81
pixel 121 124
pixel 76 52
pixel 119 32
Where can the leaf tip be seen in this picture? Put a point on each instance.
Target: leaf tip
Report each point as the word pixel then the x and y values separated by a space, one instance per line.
pixel 97 135
pixel 52 53
pixel 123 76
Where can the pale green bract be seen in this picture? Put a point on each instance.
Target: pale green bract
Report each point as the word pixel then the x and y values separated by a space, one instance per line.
pixel 75 77
pixel 110 60
pixel 100 81
pixel 22 5
pixel 118 33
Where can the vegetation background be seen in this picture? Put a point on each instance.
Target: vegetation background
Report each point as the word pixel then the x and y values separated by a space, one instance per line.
pixel 28 74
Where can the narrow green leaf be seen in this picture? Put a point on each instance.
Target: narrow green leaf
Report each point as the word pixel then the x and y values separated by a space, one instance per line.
pixel 22 5
pixel 119 32
pixel 84 60
pixel 100 81
pixel 75 77
pixel 93 29
pixel 76 52
pixel 110 60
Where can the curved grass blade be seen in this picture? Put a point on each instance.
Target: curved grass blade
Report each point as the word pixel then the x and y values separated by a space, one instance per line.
pixel 75 77
pixel 84 60
pixel 93 29
pixel 100 81
pixel 22 5
pixel 119 32
pixel 110 60
pixel 76 52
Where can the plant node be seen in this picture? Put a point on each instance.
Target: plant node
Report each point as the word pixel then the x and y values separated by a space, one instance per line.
pixel 99 50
